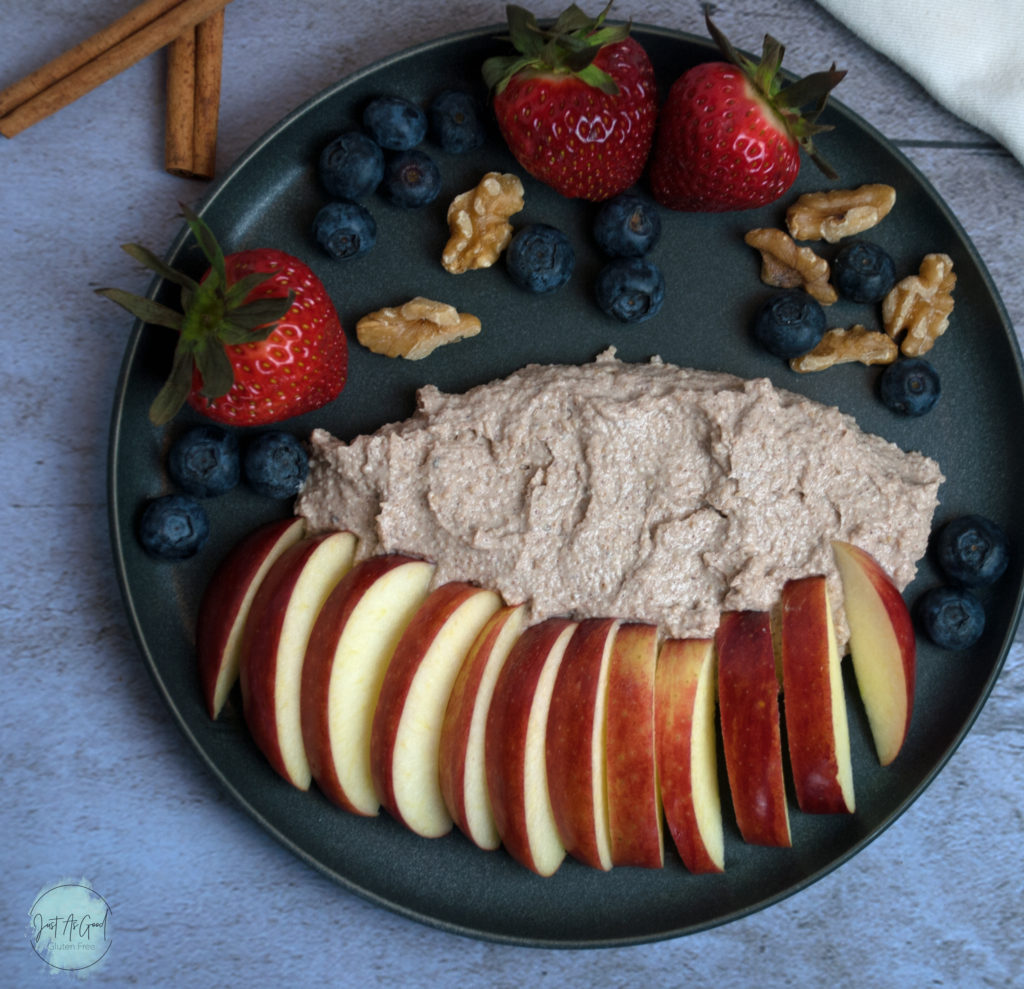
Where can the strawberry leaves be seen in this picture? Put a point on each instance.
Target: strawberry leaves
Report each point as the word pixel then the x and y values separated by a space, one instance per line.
pixel 569 46
pixel 214 315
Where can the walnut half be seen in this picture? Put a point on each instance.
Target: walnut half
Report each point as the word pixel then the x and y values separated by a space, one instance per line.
pixel 921 304
pixel 478 222
pixel 839 213
pixel 415 329
pixel 785 265
pixel 841 346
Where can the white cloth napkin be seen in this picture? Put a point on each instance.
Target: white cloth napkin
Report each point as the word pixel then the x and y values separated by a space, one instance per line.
pixel 968 54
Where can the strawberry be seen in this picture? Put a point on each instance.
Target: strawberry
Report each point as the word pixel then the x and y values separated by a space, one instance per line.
pixel 259 339
pixel 730 134
pixel 577 106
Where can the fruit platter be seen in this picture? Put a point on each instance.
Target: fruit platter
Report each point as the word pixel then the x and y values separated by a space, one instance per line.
pixel 703 304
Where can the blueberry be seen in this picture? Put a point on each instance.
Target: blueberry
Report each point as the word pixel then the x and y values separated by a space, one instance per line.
pixel 540 258
pixel 204 461
pixel 174 527
pixel 952 617
pixel 351 166
pixel 910 387
pixel 863 272
pixel 789 324
pixel 276 464
pixel 411 179
pixel 395 123
pixel 455 122
pixel 972 550
pixel 627 226
pixel 345 229
pixel 630 289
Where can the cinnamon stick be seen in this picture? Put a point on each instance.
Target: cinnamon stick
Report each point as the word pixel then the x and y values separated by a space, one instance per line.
pixel 152 25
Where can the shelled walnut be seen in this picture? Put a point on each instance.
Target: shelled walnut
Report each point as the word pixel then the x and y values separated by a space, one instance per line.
pixel 840 346
pixel 786 265
pixel 921 305
pixel 415 329
pixel 478 222
pixel 839 213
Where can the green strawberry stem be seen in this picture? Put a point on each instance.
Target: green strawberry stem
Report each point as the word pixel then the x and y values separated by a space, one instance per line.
pixel 568 47
pixel 785 100
pixel 214 315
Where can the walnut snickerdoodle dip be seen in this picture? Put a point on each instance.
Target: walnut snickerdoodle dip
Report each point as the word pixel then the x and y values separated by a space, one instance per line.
pixel 642 491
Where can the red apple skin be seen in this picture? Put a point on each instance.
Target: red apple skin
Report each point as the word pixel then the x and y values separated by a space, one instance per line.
pixel 899 651
pixel 316 670
pixel 226 603
pixel 807 656
pixel 258 667
pixel 466 706
pixel 680 664
pixel 440 605
pixel 748 690
pixel 634 807
pixel 506 749
pixel 576 772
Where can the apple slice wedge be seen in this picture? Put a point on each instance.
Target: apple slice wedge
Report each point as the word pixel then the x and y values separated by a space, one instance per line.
pixel 226 603
pixel 349 649
pixel 634 809
pixel 575 743
pixel 687 752
pixel 748 703
pixel 280 621
pixel 461 759
pixel 817 731
pixel 405 736
pixel 882 646
pixel 517 779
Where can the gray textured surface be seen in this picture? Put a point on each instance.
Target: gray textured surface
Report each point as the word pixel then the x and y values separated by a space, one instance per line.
pixel 99 782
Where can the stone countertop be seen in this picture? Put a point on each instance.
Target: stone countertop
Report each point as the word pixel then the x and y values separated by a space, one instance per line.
pixel 100 782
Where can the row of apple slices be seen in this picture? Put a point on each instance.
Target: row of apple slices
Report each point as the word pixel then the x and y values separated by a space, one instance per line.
pixel 563 737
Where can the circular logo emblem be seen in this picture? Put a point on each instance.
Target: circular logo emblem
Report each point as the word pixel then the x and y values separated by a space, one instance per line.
pixel 70 926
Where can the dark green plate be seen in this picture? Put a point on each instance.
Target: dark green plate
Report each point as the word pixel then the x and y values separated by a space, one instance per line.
pixel 269 199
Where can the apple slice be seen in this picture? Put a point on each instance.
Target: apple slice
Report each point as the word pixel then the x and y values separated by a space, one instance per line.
pixel 226 603
pixel 517 779
pixel 461 759
pixel 748 702
pixel 349 649
pixel 274 646
pixel 634 808
pixel 882 645
pixel 575 744
pixel 687 752
pixel 812 684
pixel 405 736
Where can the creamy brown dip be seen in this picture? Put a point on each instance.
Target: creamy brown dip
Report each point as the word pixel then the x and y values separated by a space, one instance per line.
pixel 638 491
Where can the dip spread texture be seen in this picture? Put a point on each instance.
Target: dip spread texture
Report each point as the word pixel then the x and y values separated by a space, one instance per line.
pixel 643 491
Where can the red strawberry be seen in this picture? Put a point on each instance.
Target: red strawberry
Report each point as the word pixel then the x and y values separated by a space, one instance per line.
pixel 258 339
pixel 730 133
pixel 577 106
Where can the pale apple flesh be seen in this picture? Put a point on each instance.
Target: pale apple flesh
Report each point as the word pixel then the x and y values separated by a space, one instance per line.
pixel 405 735
pixel 575 744
pixel 748 690
pixel 349 649
pixel 882 646
pixel 687 752
pixel 817 729
pixel 274 646
pixel 636 829
pixel 516 746
pixel 461 758
pixel 226 603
